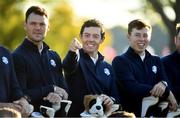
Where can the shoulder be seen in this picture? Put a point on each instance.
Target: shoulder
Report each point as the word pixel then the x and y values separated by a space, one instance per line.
pixel 53 54
pixel 4 50
pixel 120 58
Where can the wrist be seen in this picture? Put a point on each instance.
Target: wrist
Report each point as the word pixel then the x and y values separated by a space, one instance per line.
pixel 26 97
pixel 164 83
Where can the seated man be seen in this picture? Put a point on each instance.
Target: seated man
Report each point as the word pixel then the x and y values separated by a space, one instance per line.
pixel 140 74
pixel 85 69
pixel 38 68
pixel 11 94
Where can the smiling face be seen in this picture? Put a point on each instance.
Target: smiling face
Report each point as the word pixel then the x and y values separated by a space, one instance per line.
pixel 91 39
pixel 139 39
pixel 36 27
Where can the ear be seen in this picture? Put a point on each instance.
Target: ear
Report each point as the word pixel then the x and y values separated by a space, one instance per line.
pixel 175 40
pixel 25 27
pixel 48 28
pixel 87 99
pixel 128 37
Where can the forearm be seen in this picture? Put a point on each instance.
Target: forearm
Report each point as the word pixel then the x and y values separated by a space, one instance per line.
pixel 38 93
pixel 70 62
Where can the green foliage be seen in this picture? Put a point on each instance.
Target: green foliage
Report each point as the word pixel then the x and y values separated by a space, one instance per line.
pixel 11 23
pixel 64 25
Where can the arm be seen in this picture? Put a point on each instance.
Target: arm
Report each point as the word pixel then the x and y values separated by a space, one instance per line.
pixel 21 72
pixel 70 63
pixel 16 92
pixel 126 77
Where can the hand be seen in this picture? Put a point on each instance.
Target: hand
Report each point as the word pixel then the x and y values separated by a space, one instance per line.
pixel 107 100
pixel 61 92
pixel 172 101
pixel 27 109
pixel 75 45
pixel 53 98
pixel 158 90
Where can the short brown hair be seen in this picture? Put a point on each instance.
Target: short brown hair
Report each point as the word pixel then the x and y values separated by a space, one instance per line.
pixel 177 28
pixel 37 10
pixel 138 24
pixel 93 23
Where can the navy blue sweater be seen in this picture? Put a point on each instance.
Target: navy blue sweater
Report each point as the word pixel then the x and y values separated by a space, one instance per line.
pixel 136 77
pixel 84 77
pixel 172 67
pixel 9 86
pixel 37 73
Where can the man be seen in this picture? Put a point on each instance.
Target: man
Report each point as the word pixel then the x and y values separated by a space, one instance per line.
pixel 172 66
pixel 86 71
pixel 11 94
pixel 139 73
pixel 38 68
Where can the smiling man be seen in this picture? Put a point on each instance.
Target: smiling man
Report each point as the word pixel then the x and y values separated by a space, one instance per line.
pixel 38 68
pixel 86 71
pixel 140 74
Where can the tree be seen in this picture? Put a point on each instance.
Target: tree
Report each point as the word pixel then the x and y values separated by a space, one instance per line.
pixel 159 6
pixel 11 23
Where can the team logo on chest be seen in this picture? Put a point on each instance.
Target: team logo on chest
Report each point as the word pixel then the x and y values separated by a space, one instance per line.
pixel 106 71
pixel 5 60
pixel 53 63
pixel 154 69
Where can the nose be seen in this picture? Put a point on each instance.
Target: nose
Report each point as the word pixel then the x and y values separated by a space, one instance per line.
pixel 38 26
pixel 98 107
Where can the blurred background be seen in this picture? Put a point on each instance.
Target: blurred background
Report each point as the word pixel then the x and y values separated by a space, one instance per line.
pixel 67 16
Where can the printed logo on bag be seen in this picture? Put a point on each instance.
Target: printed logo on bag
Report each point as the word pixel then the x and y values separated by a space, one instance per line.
pixel 5 60
pixel 53 63
pixel 154 69
pixel 106 71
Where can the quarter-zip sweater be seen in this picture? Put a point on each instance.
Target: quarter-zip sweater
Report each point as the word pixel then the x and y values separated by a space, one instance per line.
pixel 172 67
pixel 9 86
pixel 37 73
pixel 136 77
pixel 84 77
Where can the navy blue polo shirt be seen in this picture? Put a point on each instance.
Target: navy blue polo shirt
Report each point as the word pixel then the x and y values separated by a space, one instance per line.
pixel 172 67
pixel 84 77
pixel 9 87
pixel 37 73
pixel 136 77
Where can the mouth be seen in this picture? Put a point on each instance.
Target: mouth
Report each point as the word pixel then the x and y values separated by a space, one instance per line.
pixel 141 45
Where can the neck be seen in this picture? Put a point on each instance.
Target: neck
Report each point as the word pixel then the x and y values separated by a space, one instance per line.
pixel 38 44
pixel 93 55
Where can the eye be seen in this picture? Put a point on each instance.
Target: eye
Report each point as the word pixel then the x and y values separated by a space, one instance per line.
pixel 42 24
pixel 32 23
pixel 96 36
pixel 145 35
pixel 92 102
pixel 86 35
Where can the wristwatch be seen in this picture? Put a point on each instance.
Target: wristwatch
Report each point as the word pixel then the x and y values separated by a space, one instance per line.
pixel 165 83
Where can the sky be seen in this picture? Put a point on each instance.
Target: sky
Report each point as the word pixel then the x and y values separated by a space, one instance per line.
pixel 109 12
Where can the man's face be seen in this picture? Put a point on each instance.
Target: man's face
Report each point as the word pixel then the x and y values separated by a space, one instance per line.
pixel 139 39
pixel 91 39
pixel 177 41
pixel 36 27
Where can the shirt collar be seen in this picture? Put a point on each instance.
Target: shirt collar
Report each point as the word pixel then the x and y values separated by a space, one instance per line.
pixel 30 46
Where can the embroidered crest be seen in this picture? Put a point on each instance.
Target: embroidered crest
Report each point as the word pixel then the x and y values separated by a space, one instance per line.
pixel 154 69
pixel 106 71
pixel 5 60
pixel 53 63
